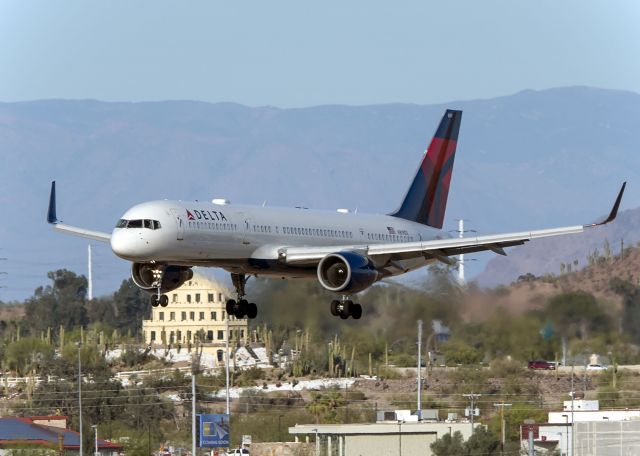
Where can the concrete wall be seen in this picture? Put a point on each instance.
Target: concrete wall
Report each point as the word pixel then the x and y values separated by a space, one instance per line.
pixel 389 444
pixel 282 449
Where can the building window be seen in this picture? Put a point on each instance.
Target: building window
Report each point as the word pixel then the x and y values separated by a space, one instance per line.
pixel 171 337
pixel 219 297
pixel 192 316
pixel 153 336
pixel 201 316
pixel 188 336
pixel 210 297
pixel 223 314
pixel 183 316
pixel 220 335
pixel 242 334
pixel 197 297
pixel 175 297
pixel 210 335
pixel 178 336
pixel 161 316
pixel 213 316
pixel 220 356
pixel 172 316
pixel 188 298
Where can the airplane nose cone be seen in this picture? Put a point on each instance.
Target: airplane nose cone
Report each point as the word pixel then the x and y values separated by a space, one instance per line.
pixel 126 244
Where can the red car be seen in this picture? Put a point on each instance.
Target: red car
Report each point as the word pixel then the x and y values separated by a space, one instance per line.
pixel 546 365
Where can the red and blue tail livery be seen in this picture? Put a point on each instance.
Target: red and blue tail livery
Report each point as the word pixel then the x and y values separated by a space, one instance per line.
pixel 426 199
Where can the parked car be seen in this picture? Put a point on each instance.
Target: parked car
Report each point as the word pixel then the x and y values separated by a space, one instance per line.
pixel 545 365
pixel 596 367
pixel 239 452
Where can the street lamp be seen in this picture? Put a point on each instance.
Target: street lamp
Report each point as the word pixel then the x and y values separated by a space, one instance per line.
pixel 95 428
pixel 566 420
pixel 80 393
pixel 400 437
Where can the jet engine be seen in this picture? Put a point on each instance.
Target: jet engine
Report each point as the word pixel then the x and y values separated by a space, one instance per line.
pixel 346 272
pixel 171 277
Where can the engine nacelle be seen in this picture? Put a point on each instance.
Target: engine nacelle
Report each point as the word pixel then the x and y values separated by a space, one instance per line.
pixel 146 275
pixel 346 272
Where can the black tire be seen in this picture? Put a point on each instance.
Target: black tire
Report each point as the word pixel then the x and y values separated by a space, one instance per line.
pixel 356 313
pixel 164 300
pixel 153 300
pixel 343 315
pixel 230 306
pixel 335 311
pixel 252 310
pixel 348 308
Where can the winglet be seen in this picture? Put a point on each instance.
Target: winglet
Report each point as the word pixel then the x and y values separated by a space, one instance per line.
pixel 51 213
pixel 614 209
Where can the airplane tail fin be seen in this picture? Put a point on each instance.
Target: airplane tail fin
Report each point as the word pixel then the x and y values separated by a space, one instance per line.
pixel 426 199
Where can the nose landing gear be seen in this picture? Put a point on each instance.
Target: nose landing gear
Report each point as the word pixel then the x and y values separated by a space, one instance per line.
pixel 240 308
pixel 159 300
pixel 345 308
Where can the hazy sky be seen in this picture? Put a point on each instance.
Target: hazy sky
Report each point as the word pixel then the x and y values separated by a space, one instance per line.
pixel 300 53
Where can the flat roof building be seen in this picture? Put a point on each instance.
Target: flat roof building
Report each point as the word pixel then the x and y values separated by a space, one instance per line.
pixel 387 438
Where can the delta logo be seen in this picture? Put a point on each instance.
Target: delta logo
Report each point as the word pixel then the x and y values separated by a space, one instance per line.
pixel 205 215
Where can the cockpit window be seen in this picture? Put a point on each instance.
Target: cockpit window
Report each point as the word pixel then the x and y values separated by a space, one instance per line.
pixel 144 223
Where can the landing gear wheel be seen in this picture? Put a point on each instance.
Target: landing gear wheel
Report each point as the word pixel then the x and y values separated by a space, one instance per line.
pixel 230 306
pixel 164 300
pixel 154 300
pixel 348 307
pixel 241 308
pixel 335 307
pixel 252 310
pixel 356 312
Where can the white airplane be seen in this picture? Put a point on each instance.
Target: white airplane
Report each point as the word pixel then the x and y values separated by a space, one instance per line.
pixel 346 251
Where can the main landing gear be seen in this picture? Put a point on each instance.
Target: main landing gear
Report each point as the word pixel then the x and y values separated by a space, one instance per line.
pixel 241 308
pixel 345 309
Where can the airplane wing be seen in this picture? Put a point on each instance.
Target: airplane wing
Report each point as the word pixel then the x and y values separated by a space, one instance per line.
pixel 76 231
pixel 440 249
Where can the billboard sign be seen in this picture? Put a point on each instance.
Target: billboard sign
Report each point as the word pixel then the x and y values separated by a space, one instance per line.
pixel 215 431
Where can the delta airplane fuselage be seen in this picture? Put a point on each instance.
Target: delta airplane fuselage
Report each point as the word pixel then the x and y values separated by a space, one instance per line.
pixel 253 240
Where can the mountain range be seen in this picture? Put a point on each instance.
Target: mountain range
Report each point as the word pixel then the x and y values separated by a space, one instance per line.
pixel 535 159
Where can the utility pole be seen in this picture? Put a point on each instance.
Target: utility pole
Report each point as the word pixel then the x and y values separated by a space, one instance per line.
pixel 461 256
pixel 226 364
pixel 461 260
pixel 193 407
pixel 472 397
pixel 502 405
pixel 80 395
pixel 90 294
pixel 95 428
pixel 419 370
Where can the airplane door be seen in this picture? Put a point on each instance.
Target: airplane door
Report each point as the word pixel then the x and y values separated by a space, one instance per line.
pixel 179 223
pixel 246 228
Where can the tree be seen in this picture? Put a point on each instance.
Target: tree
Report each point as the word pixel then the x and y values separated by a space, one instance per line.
pixel 449 445
pixel 60 304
